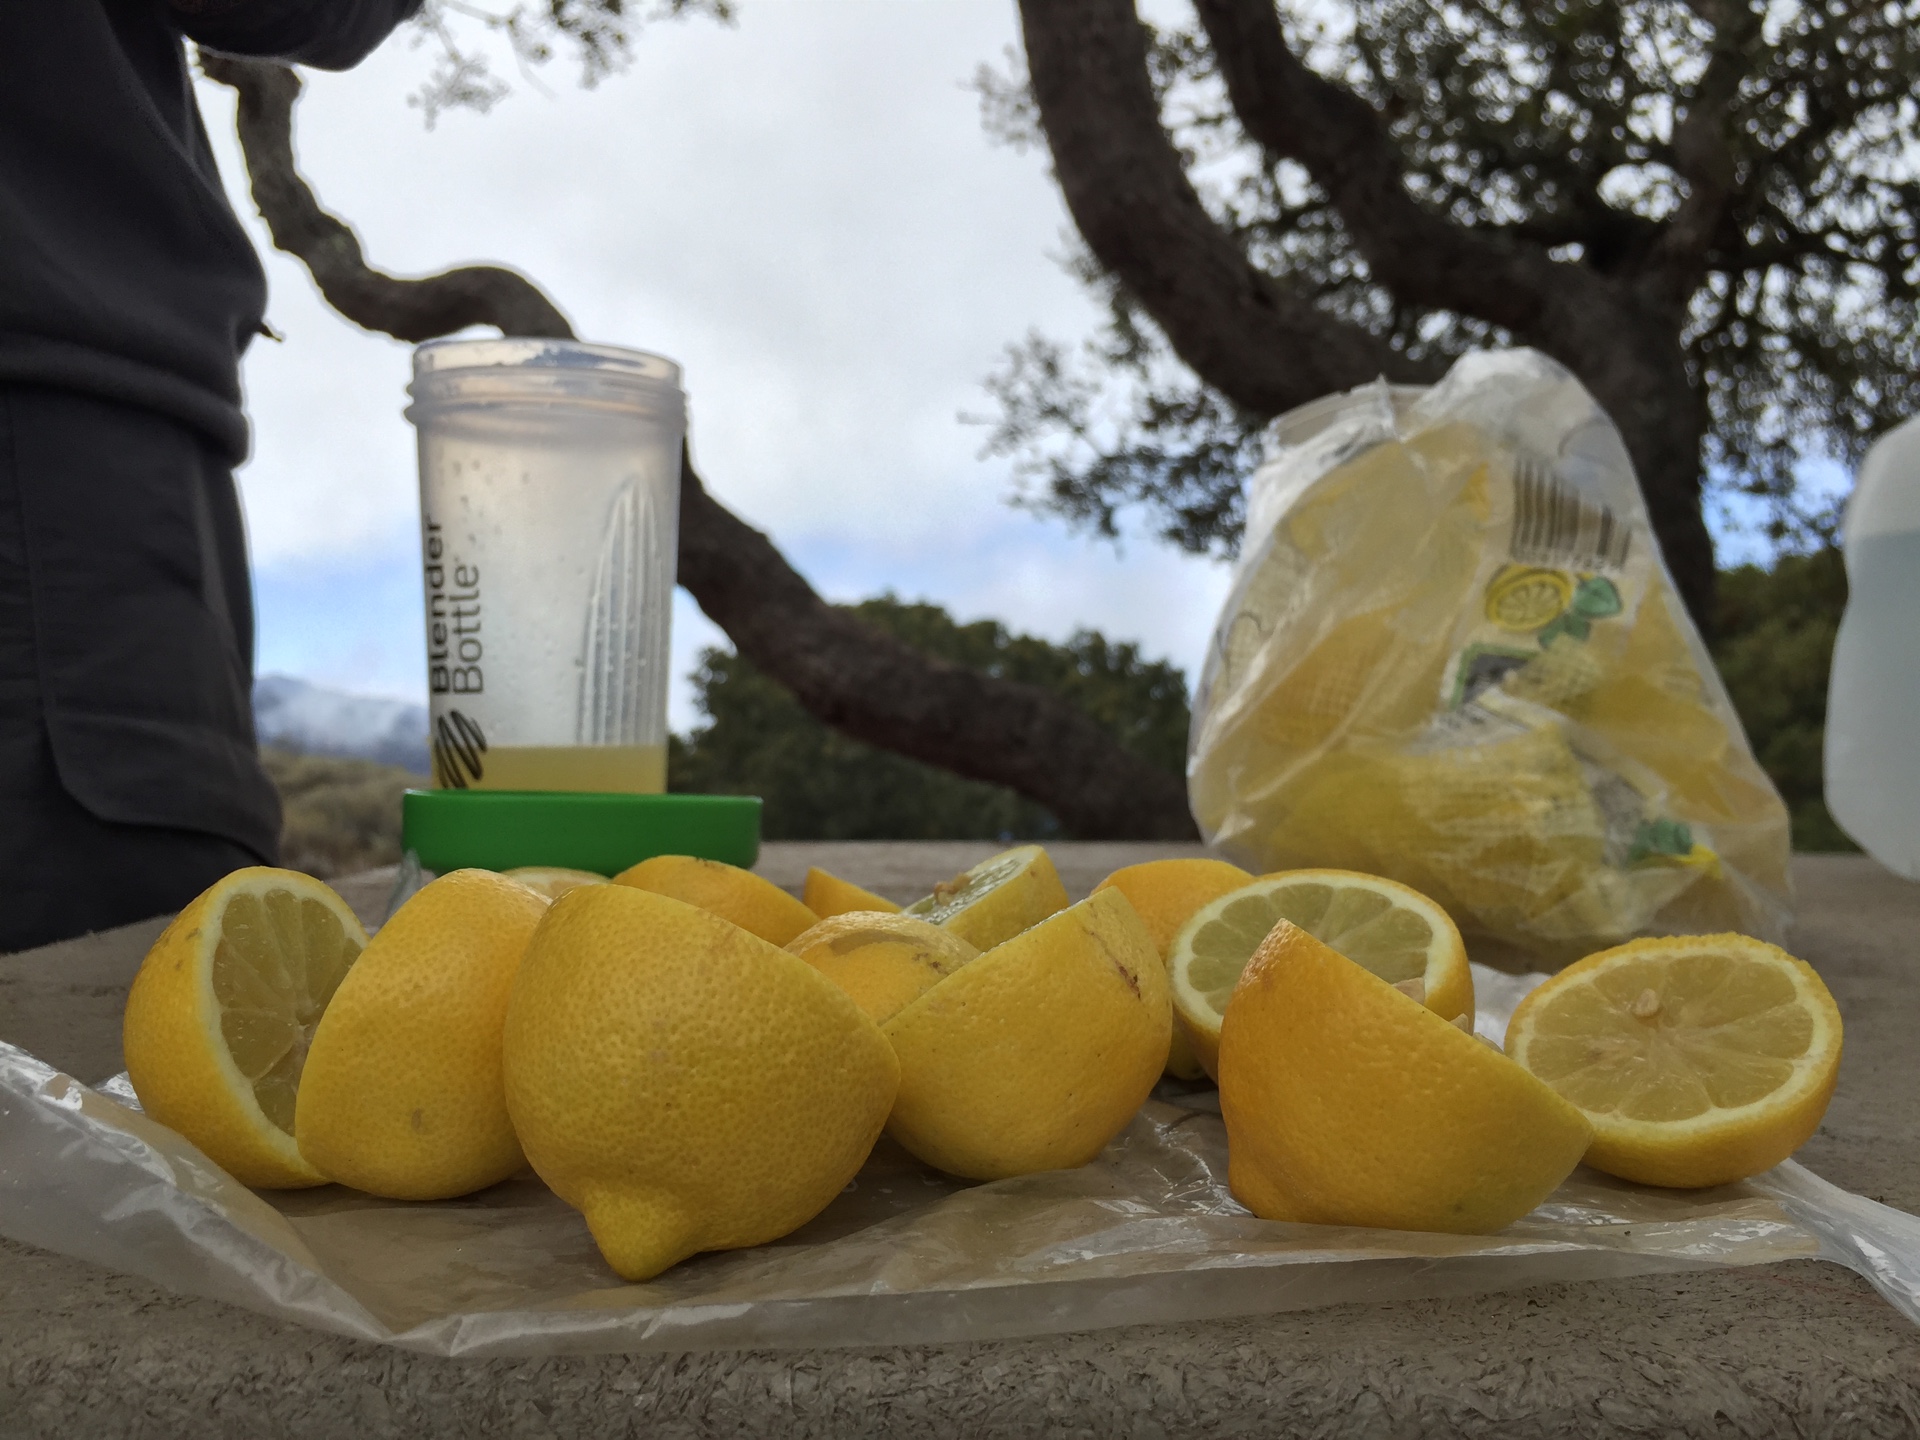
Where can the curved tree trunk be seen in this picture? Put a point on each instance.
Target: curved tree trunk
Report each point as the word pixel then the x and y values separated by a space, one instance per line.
pixel 1266 348
pixel 841 669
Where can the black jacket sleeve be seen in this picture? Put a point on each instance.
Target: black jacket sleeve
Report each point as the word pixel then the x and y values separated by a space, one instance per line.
pixel 327 34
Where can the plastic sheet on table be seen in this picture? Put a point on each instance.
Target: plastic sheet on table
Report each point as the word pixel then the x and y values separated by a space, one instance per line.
pixel 1147 1233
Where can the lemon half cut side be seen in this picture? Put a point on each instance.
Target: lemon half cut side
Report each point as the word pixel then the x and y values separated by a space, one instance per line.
pixel 223 1009
pixel 1385 927
pixel 997 899
pixel 1700 1059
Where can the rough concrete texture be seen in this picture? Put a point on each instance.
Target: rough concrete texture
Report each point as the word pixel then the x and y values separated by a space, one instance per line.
pixel 1803 1349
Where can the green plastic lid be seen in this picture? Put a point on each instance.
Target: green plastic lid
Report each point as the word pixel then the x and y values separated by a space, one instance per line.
pixel 500 829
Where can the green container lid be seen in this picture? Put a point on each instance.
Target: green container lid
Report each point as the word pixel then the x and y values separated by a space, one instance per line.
pixel 500 829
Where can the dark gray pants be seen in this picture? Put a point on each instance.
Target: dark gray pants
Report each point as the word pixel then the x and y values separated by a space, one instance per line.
pixel 129 778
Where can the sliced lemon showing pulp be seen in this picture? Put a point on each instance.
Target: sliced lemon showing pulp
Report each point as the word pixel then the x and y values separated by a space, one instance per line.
pixel 1700 1059
pixel 1383 926
pixel 223 1009
pixel 997 899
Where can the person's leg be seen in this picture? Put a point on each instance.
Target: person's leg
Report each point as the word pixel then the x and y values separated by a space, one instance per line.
pixel 128 776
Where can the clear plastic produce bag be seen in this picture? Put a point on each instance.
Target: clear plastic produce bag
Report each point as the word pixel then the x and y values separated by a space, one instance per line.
pixel 1148 1233
pixel 1453 655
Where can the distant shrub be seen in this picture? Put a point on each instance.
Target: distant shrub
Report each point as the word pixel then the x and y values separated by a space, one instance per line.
pixel 341 814
pixel 821 785
pixel 1774 648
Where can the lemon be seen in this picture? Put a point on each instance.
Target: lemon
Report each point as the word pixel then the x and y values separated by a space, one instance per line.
pixel 223 1009
pixel 757 906
pixel 884 961
pixel 1348 1103
pixel 1397 933
pixel 684 1084
pixel 1165 893
pixel 1037 1054
pixel 1700 1059
pixel 402 1094
pixel 553 881
pixel 828 895
pixel 997 899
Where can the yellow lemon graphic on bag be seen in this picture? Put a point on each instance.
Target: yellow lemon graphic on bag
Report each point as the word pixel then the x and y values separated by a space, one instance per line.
pixel 1521 598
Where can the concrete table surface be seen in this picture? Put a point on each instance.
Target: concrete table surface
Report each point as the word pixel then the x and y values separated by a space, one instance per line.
pixel 1796 1349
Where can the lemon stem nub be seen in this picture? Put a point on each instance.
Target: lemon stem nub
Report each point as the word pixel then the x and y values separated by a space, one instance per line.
pixel 1646 1005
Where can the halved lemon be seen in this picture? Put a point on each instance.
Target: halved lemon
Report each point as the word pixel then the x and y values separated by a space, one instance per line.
pixel 1347 1104
pixel 223 1009
pixel 1165 893
pixel 755 904
pixel 553 881
pixel 1381 925
pixel 884 961
pixel 828 895
pixel 997 899
pixel 1700 1059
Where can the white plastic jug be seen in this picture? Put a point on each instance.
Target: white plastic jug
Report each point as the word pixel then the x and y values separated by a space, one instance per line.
pixel 1873 697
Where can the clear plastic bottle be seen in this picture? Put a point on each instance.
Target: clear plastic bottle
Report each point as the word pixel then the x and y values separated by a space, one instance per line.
pixel 549 508
pixel 1873 697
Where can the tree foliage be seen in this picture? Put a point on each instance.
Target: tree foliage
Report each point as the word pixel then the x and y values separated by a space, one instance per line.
pixel 819 784
pixel 1774 650
pixel 599 33
pixel 1737 180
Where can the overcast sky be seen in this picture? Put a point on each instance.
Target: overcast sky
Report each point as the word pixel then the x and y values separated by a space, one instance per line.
pixel 803 210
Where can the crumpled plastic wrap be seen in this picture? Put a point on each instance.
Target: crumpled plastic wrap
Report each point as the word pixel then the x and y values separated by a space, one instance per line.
pixel 1147 1233
pixel 1452 655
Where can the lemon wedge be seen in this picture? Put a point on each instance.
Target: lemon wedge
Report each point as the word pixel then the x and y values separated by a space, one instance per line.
pixel 1348 1104
pixel 828 895
pixel 997 899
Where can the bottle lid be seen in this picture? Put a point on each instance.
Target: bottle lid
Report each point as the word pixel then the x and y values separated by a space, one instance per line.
pixel 580 830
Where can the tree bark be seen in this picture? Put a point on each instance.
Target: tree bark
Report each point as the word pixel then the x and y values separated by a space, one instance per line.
pixel 1245 336
pixel 1262 346
pixel 844 671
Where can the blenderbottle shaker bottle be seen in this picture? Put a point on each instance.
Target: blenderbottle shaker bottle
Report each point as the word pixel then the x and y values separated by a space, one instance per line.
pixel 549 498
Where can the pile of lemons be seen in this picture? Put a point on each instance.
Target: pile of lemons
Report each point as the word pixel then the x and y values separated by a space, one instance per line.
pixel 696 1060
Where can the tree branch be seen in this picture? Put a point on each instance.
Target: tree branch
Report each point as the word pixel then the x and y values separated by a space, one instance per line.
pixel 861 680
pixel 1422 258
pixel 412 310
pixel 1264 347
pixel 842 670
pixel 1701 149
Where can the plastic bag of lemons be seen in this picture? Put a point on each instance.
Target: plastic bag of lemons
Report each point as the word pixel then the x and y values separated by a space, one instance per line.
pixel 1452 655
